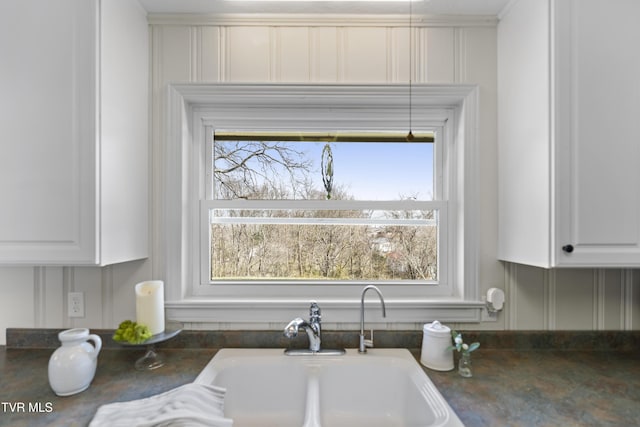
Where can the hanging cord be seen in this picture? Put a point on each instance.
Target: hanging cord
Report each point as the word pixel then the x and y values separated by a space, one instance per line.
pixel 326 164
pixel 410 134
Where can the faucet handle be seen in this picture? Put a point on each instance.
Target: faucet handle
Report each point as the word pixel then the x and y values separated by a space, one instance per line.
pixel 314 311
pixel 369 342
pixel 365 343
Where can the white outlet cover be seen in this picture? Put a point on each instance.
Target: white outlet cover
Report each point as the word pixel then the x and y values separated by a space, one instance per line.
pixel 75 304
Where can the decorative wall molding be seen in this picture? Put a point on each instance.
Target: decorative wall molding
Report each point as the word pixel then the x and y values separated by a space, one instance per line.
pixel 511 297
pixel 222 54
pixel 460 55
pixel 106 289
pixel 599 294
pixel 328 20
pixel 549 294
pixel 68 285
pixel 627 299
pixel 39 296
pixel 196 54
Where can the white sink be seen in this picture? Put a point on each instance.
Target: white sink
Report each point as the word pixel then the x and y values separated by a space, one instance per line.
pixel 385 387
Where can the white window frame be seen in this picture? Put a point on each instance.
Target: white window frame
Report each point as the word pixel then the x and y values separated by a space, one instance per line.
pixel 195 110
pixel 271 288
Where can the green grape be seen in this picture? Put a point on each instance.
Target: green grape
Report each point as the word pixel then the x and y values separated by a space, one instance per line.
pixel 131 332
pixel 142 333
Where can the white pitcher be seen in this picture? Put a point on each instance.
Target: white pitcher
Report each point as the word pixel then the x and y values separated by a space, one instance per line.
pixel 73 365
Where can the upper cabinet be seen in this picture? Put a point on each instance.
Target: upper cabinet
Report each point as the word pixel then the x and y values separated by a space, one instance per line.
pixel 569 133
pixel 73 132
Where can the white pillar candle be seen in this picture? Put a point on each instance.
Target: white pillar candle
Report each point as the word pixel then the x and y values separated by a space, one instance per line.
pixel 150 305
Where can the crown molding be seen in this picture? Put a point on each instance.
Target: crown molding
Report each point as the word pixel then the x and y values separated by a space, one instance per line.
pixel 330 20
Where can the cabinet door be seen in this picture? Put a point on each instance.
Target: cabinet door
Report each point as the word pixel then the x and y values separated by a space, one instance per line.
pixel 47 131
pixel 524 125
pixel 598 132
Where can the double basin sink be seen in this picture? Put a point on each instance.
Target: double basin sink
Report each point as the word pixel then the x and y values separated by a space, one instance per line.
pixel 384 387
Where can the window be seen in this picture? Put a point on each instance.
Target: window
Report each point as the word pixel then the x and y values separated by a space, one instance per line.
pixel 251 239
pixel 338 207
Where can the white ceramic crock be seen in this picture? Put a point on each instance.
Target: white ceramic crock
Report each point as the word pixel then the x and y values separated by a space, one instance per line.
pixel 73 365
pixel 435 342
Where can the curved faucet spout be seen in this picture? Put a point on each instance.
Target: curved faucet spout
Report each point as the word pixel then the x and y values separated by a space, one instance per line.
pixel 291 330
pixel 364 343
pixel 312 330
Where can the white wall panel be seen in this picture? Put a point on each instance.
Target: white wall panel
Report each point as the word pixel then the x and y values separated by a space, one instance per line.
pixel 16 304
pixel 36 297
pixel 50 312
pixel 610 300
pixel 248 54
pixel 119 295
pixel 571 299
pixel 293 54
pixel 208 56
pixel 400 59
pixel 366 55
pixel 575 299
pixel 324 54
pixel 87 280
pixel 475 62
pixel 632 302
pixel 526 287
pixel 172 53
pixel 439 55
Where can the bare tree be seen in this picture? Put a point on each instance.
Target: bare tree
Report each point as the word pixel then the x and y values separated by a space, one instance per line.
pixel 276 171
pixel 242 169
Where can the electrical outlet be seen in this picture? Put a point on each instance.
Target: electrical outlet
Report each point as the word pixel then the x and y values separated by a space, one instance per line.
pixel 75 304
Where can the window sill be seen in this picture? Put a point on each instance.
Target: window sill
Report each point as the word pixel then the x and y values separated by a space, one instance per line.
pixel 242 311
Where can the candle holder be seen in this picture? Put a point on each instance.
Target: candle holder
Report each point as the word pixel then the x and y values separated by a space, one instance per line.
pixel 151 359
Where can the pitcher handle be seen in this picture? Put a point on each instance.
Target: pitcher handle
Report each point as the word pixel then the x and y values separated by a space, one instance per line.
pixel 97 343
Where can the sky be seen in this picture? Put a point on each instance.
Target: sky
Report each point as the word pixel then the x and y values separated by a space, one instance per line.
pixel 380 171
pixel 368 170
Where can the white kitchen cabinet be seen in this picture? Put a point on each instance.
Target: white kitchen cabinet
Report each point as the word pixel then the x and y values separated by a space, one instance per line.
pixel 73 132
pixel 569 133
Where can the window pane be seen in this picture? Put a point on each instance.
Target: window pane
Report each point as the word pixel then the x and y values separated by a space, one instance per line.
pixel 276 170
pixel 381 245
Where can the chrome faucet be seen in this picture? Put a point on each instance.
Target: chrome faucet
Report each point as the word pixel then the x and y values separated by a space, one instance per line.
pixel 312 327
pixel 364 343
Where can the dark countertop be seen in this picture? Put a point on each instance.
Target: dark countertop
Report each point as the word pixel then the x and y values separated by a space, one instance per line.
pixel 546 388
pixel 24 378
pixel 533 387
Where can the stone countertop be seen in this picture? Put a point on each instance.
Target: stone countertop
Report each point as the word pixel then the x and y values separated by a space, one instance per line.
pixel 509 387
pixel 27 399
pixel 546 388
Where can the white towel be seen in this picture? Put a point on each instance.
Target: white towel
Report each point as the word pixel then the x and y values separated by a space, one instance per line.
pixel 188 405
